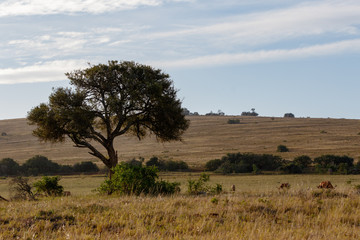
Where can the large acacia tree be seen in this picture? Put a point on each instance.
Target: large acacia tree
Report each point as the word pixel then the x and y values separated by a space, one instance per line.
pixel 107 101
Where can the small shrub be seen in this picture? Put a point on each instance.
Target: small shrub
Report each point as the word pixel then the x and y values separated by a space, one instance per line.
pixel 49 186
pixel 282 148
pixel 233 121
pixel 130 179
pixel 214 200
pixel 199 186
pixel 21 189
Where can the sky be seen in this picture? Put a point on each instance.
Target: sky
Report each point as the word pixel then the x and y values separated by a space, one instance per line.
pixel 277 56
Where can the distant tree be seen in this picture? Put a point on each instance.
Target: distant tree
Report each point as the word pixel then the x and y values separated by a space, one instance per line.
pixel 87 166
pixel 289 115
pixel 303 161
pixel 282 148
pixel 40 165
pixel 8 167
pixel 252 113
pixel 107 101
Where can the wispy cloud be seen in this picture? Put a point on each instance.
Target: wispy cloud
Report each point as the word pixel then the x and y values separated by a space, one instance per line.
pixel 350 46
pixel 40 72
pixel 44 7
pixel 306 19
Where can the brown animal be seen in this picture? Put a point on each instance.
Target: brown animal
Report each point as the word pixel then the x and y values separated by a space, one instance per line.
pixel 284 186
pixel 233 188
pixel 326 184
pixel 66 193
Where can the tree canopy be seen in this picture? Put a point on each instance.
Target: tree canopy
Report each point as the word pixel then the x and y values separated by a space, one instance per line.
pixel 107 101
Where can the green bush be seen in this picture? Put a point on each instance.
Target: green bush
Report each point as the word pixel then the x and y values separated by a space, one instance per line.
pixel 86 167
pixel 49 186
pixel 340 164
pixel 38 165
pixel 244 163
pixel 282 148
pixel 233 121
pixel 8 167
pixel 199 186
pixel 130 179
pixel 212 165
pixel 167 165
pixel 303 161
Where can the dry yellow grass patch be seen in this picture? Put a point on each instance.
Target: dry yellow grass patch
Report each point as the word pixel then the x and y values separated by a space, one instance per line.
pixel 271 215
pixel 208 137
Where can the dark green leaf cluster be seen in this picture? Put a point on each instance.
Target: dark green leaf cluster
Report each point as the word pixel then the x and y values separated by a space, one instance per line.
pixel 130 179
pixel 282 148
pixel 244 163
pixel 49 186
pixel 167 165
pixel 233 121
pixel 40 165
pixel 340 164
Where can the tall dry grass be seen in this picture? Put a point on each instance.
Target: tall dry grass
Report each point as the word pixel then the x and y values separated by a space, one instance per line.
pixel 293 214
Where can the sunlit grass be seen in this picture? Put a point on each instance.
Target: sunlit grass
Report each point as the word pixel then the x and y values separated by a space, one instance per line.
pixel 256 210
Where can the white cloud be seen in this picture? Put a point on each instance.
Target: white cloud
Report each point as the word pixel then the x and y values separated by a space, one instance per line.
pixel 349 46
pixel 45 7
pixel 307 19
pixel 41 72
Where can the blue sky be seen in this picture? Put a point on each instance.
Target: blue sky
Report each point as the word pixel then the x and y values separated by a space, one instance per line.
pixel 276 56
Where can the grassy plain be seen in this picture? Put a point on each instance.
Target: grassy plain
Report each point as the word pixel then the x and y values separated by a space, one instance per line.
pixel 208 137
pixel 256 210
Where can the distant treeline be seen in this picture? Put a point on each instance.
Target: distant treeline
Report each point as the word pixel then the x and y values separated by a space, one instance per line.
pixel 256 163
pixel 40 165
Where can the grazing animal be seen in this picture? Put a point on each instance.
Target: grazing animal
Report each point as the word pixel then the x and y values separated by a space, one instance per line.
pixel 233 188
pixel 66 193
pixel 325 184
pixel 284 186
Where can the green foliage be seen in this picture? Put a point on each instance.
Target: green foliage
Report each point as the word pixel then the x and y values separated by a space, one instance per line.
pixel 167 165
pixel 340 164
pixel 291 168
pixel 130 179
pixel 199 186
pixel 40 165
pixel 282 148
pixel 212 165
pixel 49 186
pixel 244 163
pixel 87 166
pixel 114 98
pixel 8 167
pixel 303 161
pixel 233 121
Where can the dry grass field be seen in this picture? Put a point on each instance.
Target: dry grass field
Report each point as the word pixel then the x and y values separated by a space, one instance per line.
pixel 256 210
pixel 208 137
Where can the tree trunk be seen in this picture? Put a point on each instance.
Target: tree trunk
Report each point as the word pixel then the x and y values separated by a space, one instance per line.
pixel 113 159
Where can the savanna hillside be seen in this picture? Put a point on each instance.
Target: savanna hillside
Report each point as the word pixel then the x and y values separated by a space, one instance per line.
pixel 208 137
